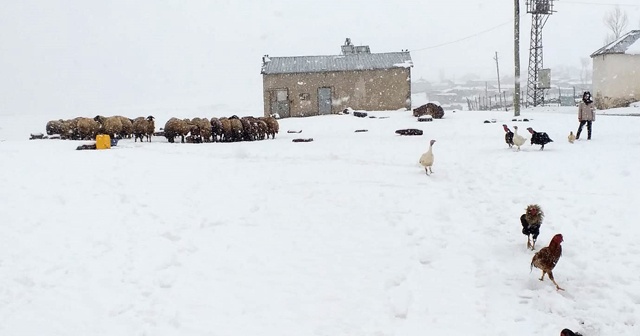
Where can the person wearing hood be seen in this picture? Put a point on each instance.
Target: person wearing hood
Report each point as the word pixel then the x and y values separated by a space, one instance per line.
pixel 586 114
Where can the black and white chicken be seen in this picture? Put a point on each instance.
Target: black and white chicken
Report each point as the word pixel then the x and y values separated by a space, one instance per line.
pixel 539 138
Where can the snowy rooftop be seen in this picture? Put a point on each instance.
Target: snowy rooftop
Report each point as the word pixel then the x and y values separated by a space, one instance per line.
pixel 364 61
pixel 628 43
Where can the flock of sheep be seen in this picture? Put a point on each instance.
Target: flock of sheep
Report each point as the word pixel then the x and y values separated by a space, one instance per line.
pixel 192 130
pixel 221 129
pixel 82 128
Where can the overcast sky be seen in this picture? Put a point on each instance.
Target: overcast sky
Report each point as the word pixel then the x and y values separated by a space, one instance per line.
pixel 79 55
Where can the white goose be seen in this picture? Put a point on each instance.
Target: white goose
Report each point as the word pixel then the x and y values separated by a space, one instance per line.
pixel 426 160
pixel 518 140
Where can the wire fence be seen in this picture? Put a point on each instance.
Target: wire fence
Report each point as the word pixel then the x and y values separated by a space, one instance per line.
pixel 504 101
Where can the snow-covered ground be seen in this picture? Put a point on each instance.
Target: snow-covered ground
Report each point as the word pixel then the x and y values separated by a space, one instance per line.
pixel 344 235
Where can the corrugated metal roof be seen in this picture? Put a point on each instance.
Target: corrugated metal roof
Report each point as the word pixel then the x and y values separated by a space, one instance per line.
pixel 363 61
pixel 620 45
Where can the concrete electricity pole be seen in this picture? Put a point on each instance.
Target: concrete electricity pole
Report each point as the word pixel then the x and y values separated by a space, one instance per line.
pixel 516 57
pixel 498 71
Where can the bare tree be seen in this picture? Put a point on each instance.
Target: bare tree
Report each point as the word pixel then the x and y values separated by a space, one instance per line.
pixel 616 21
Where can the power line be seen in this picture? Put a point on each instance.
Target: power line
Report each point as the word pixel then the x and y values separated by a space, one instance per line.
pixel 466 37
pixel 598 3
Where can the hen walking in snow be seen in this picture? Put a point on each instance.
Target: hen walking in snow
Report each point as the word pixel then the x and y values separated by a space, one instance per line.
pixel 508 135
pixel 426 160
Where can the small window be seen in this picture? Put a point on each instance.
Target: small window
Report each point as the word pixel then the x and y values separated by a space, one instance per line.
pixel 304 96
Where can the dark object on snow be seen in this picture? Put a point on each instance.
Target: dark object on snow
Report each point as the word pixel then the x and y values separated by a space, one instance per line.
pixel 292 131
pixel 568 332
pixel 83 147
pixel 372 117
pixel 114 142
pixel 345 111
pixel 161 133
pixel 539 138
pixel 359 114
pixel 37 136
pixel 425 118
pixel 302 140
pixel 383 117
pixel 486 122
pixel 436 111
pixel 525 119
pixel 409 131
pixel 361 130
pixel 514 119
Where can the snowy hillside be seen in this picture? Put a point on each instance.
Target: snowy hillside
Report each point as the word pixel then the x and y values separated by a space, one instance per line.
pixel 345 235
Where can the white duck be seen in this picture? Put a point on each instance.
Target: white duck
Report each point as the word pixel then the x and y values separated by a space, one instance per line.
pixel 518 140
pixel 426 160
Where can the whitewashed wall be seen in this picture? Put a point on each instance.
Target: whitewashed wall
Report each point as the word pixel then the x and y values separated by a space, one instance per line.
pixel 616 80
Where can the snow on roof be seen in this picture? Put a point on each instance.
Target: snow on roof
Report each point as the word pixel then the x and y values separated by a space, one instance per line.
pixel 362 61
pixel 626 44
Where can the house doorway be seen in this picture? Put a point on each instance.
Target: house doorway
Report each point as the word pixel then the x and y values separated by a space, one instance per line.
pixel 280 102
pixel 324 100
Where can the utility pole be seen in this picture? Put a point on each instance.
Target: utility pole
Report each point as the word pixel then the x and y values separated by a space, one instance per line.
pixel 498 70
pixel 516 57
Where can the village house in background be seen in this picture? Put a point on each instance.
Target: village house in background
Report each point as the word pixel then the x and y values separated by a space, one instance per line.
pixel 316 85
pixel 616 72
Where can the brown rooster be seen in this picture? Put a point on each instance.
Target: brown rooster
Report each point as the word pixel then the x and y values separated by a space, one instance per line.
pixel 547 258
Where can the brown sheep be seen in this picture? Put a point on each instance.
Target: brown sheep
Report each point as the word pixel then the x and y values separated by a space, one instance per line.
pixel 216 129
pixel 262 129
pixel 236 128
pixel 87 128
pixel 143 127
pixel 227 130
pixel 204 127
pixel 272 126
pixel 109 125
pixel 54 127
pixel 175 127
pixel 127 127
pixel 70 129
pixel 248 129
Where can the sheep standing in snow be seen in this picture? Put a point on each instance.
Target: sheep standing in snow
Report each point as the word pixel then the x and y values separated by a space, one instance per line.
pixel 87 128
pixel 272 126
pixel 216 129
pixel 109 125
pixel 143 127
pixel 175 127
pixel 54 127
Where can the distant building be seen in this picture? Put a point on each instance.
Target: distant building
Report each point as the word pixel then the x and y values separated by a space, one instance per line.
pixel 315 85
pixel 616 72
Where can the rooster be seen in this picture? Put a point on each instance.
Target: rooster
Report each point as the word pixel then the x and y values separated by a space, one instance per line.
pixel 426 160
pixel 568 332
pixel 539 138
pixel 531 221
pixel 508 136
pixel 547 258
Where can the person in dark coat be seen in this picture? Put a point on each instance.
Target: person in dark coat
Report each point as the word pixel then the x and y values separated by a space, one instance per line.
pixel 531 221
pixel 586 114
